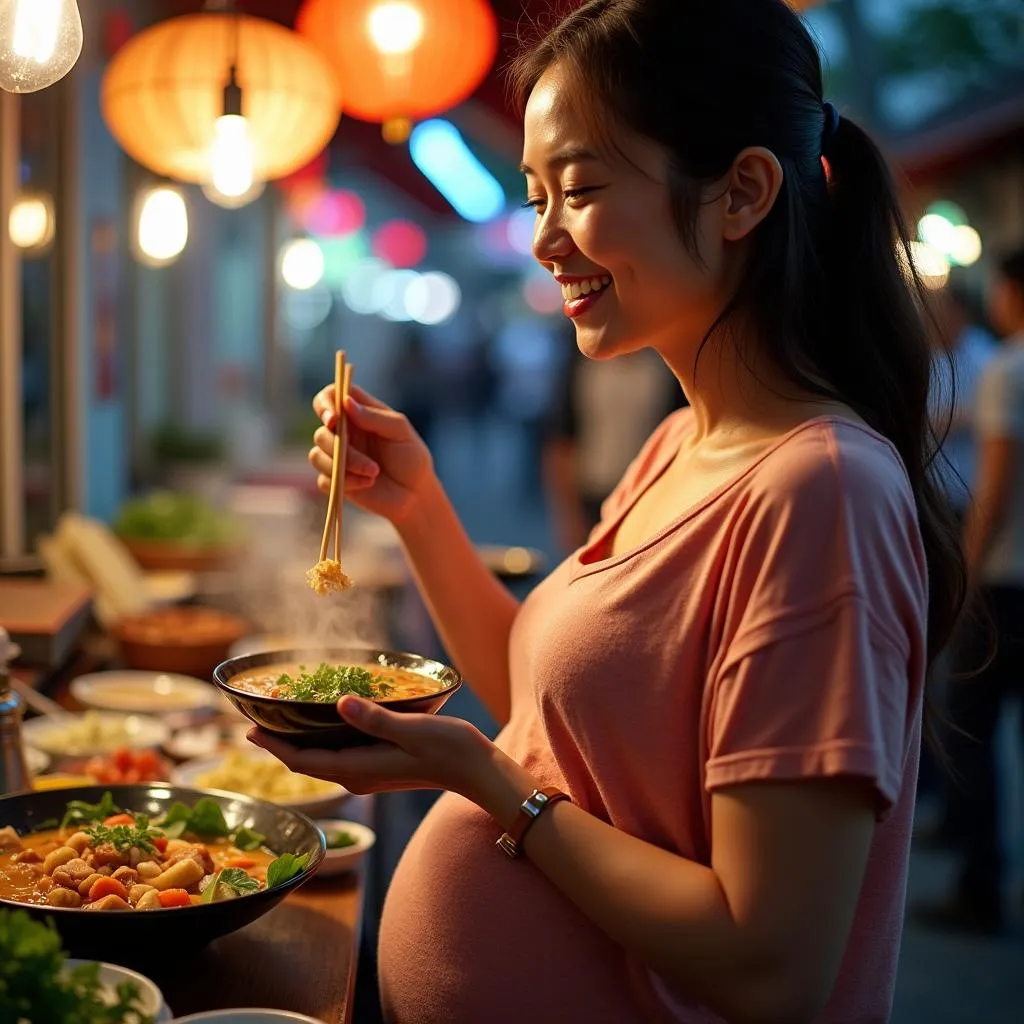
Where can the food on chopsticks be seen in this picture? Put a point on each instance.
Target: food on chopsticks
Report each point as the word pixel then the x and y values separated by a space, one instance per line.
pixel 329 683
pixel 264 778
pixel 38 985
pixel 327 576
pixel 100 857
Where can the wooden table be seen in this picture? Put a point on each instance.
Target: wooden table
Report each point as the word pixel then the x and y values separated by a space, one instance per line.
pixel 301 956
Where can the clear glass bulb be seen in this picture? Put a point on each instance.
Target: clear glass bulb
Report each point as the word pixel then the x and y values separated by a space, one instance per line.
pixel 40 41
pixel 231 160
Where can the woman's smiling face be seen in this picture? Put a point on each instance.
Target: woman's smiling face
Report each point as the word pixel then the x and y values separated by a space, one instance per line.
pixel 606 231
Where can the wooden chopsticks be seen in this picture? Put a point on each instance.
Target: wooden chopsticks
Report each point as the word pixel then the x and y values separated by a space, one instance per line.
pixel 336 496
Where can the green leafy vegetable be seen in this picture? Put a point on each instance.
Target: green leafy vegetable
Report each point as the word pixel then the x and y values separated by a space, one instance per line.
pixel 248 839
pixel 329 683
pixel 183 518
pixel 78 812
pixel 339 840
pixel 228 883
pixel 206 819
pixel 239 880
pixel 284 868
pixel 36 986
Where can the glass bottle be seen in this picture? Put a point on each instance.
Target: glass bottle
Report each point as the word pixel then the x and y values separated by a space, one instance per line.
pixel 14 776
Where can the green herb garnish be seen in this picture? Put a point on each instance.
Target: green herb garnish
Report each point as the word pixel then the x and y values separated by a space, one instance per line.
pixel 329 683
pixel 124 837
pixel 79 812
pixel 36 986
pixel 247 839
pixel 285 868
pixel 339 840
pixel 206 820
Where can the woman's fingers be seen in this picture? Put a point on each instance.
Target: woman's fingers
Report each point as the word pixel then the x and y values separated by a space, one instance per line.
pixel 327 412
pixel 379 420
pixel 322 456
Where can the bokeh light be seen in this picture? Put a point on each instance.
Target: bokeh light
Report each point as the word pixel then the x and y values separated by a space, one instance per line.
pixel 930 264
pixel 331 213
pixel 520 228
pixel 401 243
pixel 306 310
pixel 357 290
pixel 162 231
pixel 432 298
pixel 542 293
pixel 965 247
pixel 32 223
pixel 302 264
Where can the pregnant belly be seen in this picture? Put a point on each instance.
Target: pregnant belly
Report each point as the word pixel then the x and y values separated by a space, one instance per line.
pixel 469 935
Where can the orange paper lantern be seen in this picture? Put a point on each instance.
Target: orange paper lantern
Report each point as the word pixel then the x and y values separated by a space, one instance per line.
pixel 164 91
pixel 403 60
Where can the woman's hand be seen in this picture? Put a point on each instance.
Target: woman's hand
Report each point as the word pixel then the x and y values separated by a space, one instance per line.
pixel 418 752
pixel 387 467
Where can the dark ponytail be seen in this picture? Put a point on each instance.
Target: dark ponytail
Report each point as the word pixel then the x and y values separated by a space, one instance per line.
pixel 829 285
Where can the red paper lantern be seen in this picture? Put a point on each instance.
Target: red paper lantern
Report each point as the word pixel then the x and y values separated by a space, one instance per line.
pixel 399 61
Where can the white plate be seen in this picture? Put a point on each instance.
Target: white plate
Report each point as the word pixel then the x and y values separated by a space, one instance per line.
pixel 345 858
pixel 94 732
pixel 144 693
pixel 36 760
pixel 322 804
pixel 152 999
pixel 253 1016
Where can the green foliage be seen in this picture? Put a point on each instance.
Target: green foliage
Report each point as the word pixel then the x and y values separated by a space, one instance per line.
pixel 36 987
pixel 167 516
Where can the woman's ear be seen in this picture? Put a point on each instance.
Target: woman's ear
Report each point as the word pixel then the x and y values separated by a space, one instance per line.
pixel 752 186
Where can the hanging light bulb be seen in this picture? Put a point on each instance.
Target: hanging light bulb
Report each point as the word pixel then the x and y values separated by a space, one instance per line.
pixel 231 158
pixel 162 226
pixel 40 41
pixel 227 202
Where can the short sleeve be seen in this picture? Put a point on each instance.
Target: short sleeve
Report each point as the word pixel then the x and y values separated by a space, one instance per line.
pixel 821 669
pixel 1000 408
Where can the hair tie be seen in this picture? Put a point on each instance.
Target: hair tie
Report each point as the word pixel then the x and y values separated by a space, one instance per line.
pixel 831 121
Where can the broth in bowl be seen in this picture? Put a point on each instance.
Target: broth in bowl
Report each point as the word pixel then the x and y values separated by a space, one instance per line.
pixel 329 683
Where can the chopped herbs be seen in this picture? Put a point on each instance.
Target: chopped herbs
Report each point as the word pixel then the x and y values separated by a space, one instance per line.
pixel 285 868
pixel 124 837
pixel 79 812
pixel 329 683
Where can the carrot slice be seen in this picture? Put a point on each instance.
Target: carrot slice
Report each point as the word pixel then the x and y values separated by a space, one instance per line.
pixel 160 842
pixel 174 898
pixel 119 819
pixel 107 886
pixel 241 862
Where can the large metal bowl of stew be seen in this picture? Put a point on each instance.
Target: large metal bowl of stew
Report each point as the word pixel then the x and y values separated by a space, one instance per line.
pixel 294 693
pixel 129 873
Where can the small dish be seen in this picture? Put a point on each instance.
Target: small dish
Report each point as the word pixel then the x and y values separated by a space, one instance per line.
pixel 143 692
pixel 95 732
pixel 151 999
pixel 259 775
pixel 248 1016
pixel 207 740
pixel 340 859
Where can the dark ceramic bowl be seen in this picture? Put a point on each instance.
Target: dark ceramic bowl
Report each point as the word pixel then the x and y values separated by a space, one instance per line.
pixel 307 723
pixel 124 936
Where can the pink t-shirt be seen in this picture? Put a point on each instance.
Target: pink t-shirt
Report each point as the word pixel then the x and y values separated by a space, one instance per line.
pixel 776 630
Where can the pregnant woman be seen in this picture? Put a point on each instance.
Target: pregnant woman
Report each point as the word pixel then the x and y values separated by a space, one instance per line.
pixel 712 710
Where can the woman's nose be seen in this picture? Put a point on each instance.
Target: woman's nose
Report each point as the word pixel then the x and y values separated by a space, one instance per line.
pixel 551 242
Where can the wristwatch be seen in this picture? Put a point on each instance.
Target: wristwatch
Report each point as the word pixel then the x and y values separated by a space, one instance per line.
pixel 529 810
